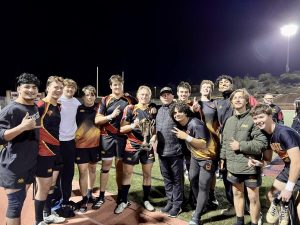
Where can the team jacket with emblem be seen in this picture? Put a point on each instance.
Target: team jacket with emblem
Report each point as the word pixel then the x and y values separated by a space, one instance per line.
pixel 49 131
pixel 87 134
pixel 252 143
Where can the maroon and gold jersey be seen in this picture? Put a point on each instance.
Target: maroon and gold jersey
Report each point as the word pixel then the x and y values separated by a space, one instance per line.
pixel 107 106
pixel 135 137
pixel 87 134
pixel 49 131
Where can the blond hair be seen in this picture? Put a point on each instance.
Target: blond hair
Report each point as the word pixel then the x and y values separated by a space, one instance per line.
pixel 70 82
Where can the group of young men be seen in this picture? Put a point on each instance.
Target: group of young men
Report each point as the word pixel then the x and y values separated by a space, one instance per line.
pixel 235 134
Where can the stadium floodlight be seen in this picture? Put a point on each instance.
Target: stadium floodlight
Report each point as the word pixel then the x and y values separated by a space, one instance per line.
pixel 288 31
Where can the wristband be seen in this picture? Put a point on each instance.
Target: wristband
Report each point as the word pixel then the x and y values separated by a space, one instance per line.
pixel 289 186
pixel 189 138
pixel 109 117
pixel 132 126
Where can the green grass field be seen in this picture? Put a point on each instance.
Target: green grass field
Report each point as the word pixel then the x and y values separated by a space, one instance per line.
pixel 158 196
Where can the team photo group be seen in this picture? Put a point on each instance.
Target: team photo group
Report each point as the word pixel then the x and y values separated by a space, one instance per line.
pixel 234 135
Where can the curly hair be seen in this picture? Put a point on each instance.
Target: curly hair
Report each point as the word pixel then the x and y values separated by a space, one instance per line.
pixel 28 78
pixel 181 107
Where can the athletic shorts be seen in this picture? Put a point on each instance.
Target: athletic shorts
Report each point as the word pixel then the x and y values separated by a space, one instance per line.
pixel 10 180
pixel 284 177
pixel 134 157
pixel 87 155
pixel 250 180
pixel 112 146
pixel 47 164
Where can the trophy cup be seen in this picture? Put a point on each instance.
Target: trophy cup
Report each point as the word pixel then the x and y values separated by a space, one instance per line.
pixel 147 127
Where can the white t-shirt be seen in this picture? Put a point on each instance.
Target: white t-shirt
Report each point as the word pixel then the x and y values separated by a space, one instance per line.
pixel 68 126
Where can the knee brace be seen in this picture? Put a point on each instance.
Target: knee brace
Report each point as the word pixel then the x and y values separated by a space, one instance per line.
pixel 104 171
pixel 15 203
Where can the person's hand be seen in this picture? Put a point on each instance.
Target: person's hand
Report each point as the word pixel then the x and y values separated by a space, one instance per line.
pixel 285 195
pixel 28 123
pixel 195 107
pixel 116 112
pixel 153 110
pixel 234 145
pixel 179 133
pixel 152 140
pixel 136 123
pixel 221 164
pixel 254 162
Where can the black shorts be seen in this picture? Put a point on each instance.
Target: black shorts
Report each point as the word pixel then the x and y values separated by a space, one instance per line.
pixel 10 180
pixel 112 146
pixel 250 180
pixel 87 155
pixel 284 177
pixel 134 157
pixel 47 164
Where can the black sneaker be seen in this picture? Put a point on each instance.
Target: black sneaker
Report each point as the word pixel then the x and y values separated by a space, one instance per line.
pixel 167 208
pixel 174 212
pixel 98 203
pixel 82 205
pixel 92 199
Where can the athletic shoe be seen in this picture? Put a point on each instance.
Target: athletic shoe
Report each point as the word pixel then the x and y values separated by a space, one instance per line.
pixel 42 223
pixel 174 212
pixel 272 214
pixel 167 208
pixel 120 208
pixel 92 199
pixel 284 217
pixel 54 218
pixel 149 206
pixel 228 212
pixel 98 203
pixel 195 222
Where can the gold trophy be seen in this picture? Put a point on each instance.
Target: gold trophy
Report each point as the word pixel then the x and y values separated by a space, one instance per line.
pixel 147 128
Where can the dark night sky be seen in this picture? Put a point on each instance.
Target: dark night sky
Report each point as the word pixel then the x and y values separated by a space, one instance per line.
pixel 154 42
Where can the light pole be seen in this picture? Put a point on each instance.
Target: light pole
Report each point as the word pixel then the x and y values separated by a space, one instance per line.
pixel 154 92
pixel 288 31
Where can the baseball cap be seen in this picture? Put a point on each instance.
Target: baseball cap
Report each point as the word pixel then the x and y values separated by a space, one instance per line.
pixel 166 90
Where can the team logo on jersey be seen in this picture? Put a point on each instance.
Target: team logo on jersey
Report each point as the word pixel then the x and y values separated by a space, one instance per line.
pixel 49 113
pixel 20 181
pixel 244 125
pixel 77 158
pixel 81 110
pixel 129 158
pixel 49 170
pixel 278 149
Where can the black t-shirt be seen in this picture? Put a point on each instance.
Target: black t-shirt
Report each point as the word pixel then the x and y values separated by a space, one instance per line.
pixel 283 139
pixel 19 154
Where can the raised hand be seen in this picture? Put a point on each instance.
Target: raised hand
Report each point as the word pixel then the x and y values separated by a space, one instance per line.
pixel 179 133
pixel 195 106
pixel 28 123
pixel 116 112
